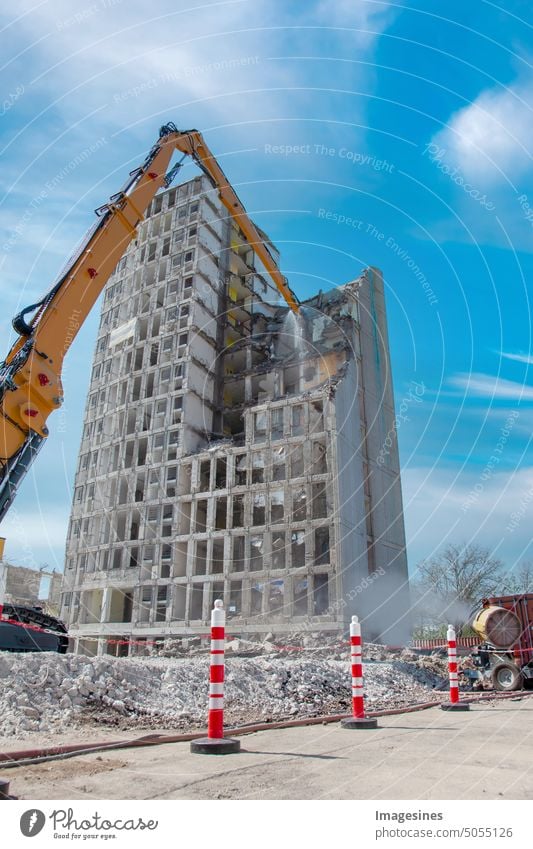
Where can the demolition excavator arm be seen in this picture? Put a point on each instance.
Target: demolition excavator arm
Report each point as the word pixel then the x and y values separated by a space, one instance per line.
pixel 30 376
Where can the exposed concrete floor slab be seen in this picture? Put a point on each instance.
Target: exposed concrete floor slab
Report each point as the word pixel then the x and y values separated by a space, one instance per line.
pixel 482 754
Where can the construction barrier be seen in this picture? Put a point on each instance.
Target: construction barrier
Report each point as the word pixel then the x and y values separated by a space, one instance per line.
pixel 454 703
pixel 358 720
pixel 159 642
pixel 215 743
pixel 462 642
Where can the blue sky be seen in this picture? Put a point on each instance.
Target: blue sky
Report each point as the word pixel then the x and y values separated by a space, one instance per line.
pixel 407 123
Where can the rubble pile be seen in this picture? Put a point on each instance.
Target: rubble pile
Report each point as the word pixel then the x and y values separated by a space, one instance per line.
pixel 50 692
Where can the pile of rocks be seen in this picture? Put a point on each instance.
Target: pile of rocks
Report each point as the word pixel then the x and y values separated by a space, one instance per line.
pixel 48 692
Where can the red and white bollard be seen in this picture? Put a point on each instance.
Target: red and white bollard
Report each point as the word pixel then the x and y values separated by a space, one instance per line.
pixel 358 720
pixel 215 743
pixel 454 703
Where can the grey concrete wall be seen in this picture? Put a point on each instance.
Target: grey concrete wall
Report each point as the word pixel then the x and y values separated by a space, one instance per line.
pixel 388 595
pixel 353 557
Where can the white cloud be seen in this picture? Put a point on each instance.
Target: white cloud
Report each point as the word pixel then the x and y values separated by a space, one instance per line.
pixel 491 138
pixel 492 387
pixel 149 63
pixel 520 358
pixel 197 63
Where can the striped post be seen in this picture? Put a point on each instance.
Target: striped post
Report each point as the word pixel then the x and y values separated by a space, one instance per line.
pixel 215 717
pixel 215 743
pixel 454 703
pixel 356 657
pixel 358 720
pixel 452 664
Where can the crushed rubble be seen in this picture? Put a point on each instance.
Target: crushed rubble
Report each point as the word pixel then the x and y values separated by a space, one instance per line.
pixel 50 692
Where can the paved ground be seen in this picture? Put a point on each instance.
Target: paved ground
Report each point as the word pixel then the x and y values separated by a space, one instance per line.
pixel 432 754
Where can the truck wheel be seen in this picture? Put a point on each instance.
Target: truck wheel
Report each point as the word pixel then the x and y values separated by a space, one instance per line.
pixel 506 677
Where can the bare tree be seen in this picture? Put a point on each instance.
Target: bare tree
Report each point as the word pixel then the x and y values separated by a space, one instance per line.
pixel 450 585
pixel 520 580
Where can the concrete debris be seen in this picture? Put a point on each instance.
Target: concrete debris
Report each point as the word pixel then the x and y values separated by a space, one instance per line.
pixel 49 692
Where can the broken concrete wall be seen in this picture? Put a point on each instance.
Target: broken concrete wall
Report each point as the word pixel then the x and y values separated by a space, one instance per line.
pixel 388 595
pixel 352 512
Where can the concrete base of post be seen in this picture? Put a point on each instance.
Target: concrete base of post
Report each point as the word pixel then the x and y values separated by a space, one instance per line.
pixel 455 706
pixel 215 746
pixel 360 722
pixel 4 790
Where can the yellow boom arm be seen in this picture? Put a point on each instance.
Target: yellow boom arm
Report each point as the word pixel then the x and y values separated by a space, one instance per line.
pixel 30 377
pixel 192 143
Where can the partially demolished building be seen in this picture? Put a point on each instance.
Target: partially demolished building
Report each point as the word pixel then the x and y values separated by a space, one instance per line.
pixel 232 449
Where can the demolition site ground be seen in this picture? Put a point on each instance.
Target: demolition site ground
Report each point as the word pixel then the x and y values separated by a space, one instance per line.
pixel 430 754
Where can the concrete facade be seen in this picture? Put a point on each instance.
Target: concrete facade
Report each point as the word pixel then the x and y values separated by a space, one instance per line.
pixel 231 449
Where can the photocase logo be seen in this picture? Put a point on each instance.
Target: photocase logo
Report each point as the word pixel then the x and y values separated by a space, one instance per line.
pixel 32 822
